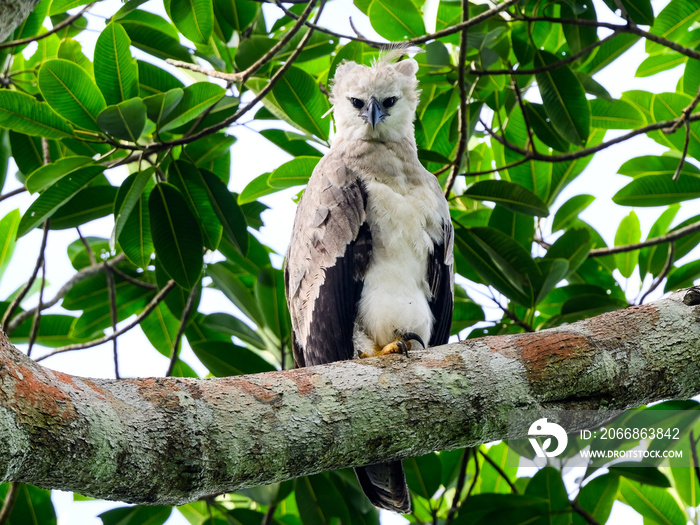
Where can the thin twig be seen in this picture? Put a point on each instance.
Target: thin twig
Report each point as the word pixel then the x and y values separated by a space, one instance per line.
pixel 25 289
pixel 89 344
pixel 12 193
pixel 578 509
pixel 462 112
pixel 82 274
pixel 261 94
pixel 671 236
pixel 129 278
pixel 55 29
pixel 546 67
pixel 694 454
pixel 112 297
pixel 88 248
pixel 530 139
pixel 615 27
pixel 460 485
pixel 36 320
pixel 664 272
pixel 9 503
pixel 498 469
pixel 181 330
pixel 562 157
pixel 244 75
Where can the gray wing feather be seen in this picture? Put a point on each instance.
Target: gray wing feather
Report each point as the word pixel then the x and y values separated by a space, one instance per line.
pixel 325 263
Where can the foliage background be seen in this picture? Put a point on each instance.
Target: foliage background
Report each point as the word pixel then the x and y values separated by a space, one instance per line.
pixel 520 283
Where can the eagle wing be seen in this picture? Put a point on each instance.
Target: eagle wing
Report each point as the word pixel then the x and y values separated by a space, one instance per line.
pixel 326 261
pixel 441 282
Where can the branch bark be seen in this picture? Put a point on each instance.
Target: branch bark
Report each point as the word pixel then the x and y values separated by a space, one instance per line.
pixel 173 440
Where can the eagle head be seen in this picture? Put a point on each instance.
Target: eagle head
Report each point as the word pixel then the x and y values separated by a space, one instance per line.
pixel 375 102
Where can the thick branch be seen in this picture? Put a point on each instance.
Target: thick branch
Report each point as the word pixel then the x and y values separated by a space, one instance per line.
pixel 172 440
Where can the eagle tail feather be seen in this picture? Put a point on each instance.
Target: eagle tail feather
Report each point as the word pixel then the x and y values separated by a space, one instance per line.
pixel 385 486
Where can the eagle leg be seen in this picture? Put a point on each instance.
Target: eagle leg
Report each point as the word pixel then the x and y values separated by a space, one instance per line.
pixel 401 345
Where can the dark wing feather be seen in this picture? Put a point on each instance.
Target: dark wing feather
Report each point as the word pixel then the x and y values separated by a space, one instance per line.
pixel 327 258
pixel 441 287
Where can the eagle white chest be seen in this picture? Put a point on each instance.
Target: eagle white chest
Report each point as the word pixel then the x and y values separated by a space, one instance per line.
pixel 405 218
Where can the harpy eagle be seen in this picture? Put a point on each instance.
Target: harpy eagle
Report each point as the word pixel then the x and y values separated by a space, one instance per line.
pixel 370 263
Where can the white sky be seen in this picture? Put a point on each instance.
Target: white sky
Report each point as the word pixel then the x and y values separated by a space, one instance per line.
pixel 253 155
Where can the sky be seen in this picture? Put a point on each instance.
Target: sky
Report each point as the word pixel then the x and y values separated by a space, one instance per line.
pixel 136 359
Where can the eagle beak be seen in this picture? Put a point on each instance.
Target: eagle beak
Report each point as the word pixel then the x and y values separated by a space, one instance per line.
pixel 374 113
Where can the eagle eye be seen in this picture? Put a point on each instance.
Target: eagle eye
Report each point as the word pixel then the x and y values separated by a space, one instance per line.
pixel 388 102
pixel 357 103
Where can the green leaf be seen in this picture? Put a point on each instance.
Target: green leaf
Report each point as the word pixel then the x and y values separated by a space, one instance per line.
pixel 48 174
pixel 509 195
pixel 130 192
pixel 116 72
pixel 160 105
pixel 33 506
pixel 31 25
pixel 499 260
pixel 176 236
pixel 491 480
pixel 513 509
pixel 72 51
pixel 543 128
pixel 269 292
pixel 659 63
pixel 548 484
pixel 646 475
pixel 152 34
pixel 293 143
pixel 640 11
pixel 61 6
pixel 668 106
pixel 8 232
pixel 516 225
pixel 227 210
pixel 597 498
pixel 654 503
pixel 226 280
pixel 658 190
pixel 564 99
pixel 56 196
pixel 319 501
pixel 137 515
pixel 660 227
pixel 300 99
pixel 255 189
pixel 579 36
pixel 232 326
pixel 187 178
pixel 125 120
pixel 656 165
pixel 194 18
pixel 673 22
pixel 296 172
pixel 616 114
pixel 196 99
pixel 570 210
pixel 224 359
pixel 628 232
pixel 683 276
pixel 154 80
pixel 71 92
pixel 609 52
pixel 239 14
pixel 24 114
pixel 573 246
pixel 685 480
pixel 396 19
pixel 88 204
pixel 423 474
pixel 160 327
pixel 466 312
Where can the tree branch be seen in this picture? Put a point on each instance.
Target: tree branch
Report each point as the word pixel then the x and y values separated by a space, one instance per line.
pixel 55 29
pixel 173 440
pixel 671 236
